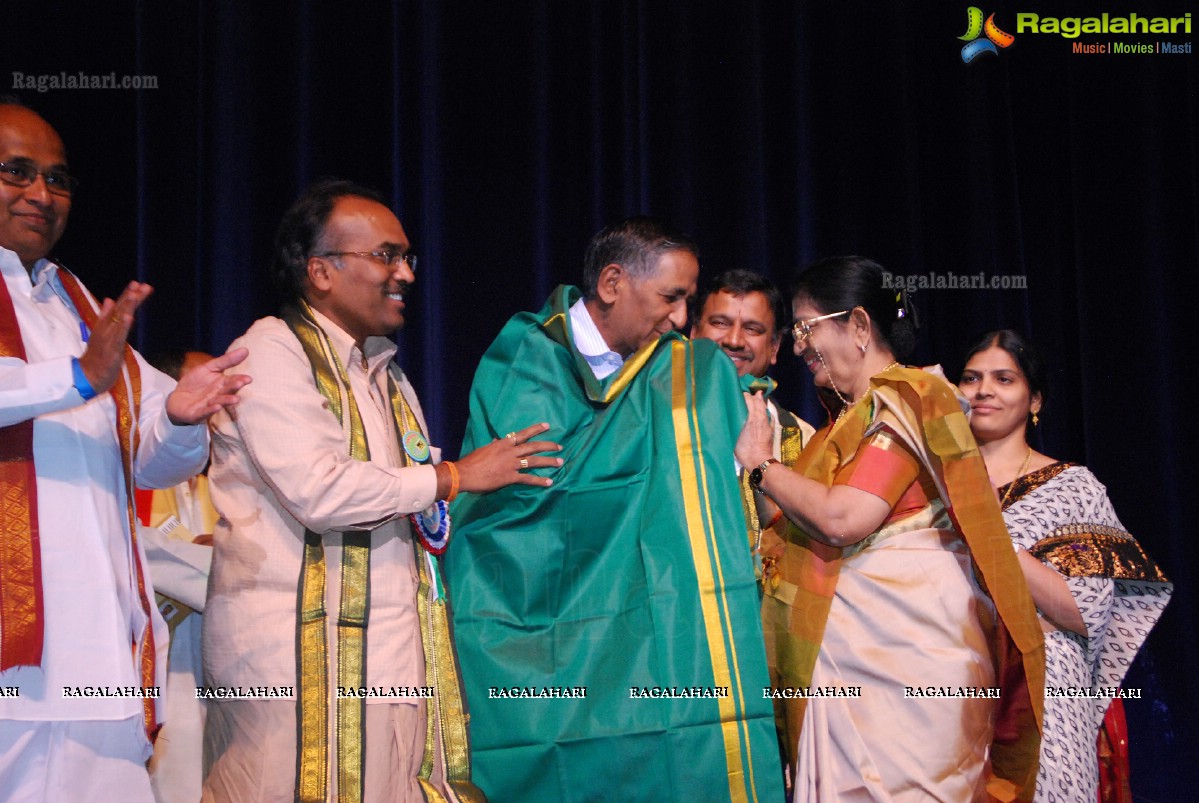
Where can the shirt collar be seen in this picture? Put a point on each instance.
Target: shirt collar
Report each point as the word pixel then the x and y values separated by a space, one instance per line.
pixel 11 266
pixel 45 280
pixel 591 344
pixel 379 350
pixel 42 284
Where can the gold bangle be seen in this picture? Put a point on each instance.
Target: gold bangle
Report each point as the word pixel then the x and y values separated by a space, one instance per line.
pixel 454 479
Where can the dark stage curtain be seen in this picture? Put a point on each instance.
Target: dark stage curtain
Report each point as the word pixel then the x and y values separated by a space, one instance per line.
pixel 506 133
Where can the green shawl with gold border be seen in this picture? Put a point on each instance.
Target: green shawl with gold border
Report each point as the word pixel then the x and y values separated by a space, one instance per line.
pixel 630 578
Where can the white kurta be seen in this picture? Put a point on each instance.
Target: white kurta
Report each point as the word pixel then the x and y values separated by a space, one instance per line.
pixel 92 612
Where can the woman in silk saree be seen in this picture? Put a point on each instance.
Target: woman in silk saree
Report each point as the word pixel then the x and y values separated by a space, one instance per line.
pixel 902 642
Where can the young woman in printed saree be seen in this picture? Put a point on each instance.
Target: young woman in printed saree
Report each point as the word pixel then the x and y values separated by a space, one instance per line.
pixel 1097 592
pixel 877 541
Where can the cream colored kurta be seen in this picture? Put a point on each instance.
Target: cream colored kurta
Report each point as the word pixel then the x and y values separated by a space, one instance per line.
pixel 281 465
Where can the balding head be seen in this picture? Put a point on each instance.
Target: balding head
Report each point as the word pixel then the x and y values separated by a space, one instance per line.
pixel 33 217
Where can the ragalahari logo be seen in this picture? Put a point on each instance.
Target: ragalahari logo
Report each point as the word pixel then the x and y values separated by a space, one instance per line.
pixel 977 44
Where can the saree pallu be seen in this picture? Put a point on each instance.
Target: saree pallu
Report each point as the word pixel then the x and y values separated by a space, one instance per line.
pixel 950 677
pixel 1061 514
pixel 629 579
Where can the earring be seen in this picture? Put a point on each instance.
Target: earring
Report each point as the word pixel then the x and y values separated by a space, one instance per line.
pixel 863 348
pixel 1035 419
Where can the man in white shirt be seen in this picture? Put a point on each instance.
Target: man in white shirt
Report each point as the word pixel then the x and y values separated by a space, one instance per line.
pixel 82 418
pixel 326 640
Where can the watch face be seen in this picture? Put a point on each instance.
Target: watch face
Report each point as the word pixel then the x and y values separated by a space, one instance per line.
pixel 755 477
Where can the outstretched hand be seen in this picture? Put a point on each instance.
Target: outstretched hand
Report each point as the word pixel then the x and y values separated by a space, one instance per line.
pixel 105 353
pixel 755 444
pixel 503 462
pixel 205 389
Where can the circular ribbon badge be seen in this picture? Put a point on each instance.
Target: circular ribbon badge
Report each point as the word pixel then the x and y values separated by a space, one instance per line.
pixel 429 520
pixel 433 526
pixel 416 446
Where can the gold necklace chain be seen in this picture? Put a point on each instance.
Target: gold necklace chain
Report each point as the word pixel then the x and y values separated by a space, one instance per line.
pixel 845 404
pixel 1019 474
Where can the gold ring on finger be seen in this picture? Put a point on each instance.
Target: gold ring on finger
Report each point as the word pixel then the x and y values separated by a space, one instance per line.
pixel 512 436
pixel 524 463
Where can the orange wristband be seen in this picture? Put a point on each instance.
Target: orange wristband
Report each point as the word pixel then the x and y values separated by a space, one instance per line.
pixel 453 469
pixel 777 515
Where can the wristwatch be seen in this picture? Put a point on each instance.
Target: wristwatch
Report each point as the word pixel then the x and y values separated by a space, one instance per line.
pixel 755 476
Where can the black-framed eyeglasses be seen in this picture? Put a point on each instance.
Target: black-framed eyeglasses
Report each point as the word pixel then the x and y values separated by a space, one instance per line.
pixel 22 173
pixel 391 257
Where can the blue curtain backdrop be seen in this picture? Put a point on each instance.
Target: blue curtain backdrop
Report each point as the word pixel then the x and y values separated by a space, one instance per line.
pixel 505 134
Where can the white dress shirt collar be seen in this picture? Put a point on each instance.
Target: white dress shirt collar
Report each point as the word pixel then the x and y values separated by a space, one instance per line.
pixel 602 360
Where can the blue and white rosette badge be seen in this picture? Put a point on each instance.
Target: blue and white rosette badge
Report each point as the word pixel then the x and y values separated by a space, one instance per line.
pixel 433 523
pixel 433 526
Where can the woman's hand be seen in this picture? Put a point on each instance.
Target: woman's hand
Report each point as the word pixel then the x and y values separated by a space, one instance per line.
pixel 1051 593
pixel 755 444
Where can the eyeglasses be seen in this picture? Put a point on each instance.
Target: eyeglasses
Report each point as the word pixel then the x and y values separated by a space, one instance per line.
pixel 22 173
pixel 391 257
pixel 802 330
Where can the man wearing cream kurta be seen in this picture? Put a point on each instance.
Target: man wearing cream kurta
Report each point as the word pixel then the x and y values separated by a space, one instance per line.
pixel 325 615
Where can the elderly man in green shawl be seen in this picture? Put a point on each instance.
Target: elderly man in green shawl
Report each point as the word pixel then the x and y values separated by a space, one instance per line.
pixel 608 626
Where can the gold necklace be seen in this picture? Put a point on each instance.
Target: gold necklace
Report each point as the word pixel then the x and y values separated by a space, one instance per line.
pixel 1019 474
